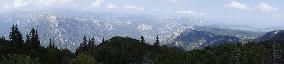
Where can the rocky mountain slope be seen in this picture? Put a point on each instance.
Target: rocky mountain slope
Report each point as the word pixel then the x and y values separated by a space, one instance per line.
pixel 65 28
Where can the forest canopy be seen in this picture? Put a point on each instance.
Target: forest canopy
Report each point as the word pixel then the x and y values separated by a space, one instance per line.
pixel 126 50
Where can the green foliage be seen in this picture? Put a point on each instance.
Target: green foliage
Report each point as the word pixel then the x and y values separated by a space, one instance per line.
pixel 166 55
pixel 83 58
pixel 16 40
pixel 126 50
pixel 18 59
pixel 32 40
pixel 15 36
pixel 227 54
pixel 14 51
pixel 83 46
pixel 121 50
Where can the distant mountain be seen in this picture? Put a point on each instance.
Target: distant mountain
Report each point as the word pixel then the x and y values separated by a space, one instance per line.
pixel 67 28
pixel 202 36
pixel 276 35
pixel 192 39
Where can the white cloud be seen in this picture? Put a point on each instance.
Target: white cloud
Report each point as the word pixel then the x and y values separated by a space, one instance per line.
pixel 112 6
pixel 176 2
pixel 237 5
pixel 96 3
pixel 16 4
pixel 264 7
pixel 125 7
pixel 132 7
pixel 189 12
pixel 47 2
pixel 19 3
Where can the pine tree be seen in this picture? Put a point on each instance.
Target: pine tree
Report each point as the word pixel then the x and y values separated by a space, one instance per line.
pixel 91 42
pixel 15 37
pixel 16 40
pixel 142 39
pixel 157 43
pixel 85 42
pixel 91 47
pixel 33 40
pixel 83 46
pixel 2 38
pixel 51 44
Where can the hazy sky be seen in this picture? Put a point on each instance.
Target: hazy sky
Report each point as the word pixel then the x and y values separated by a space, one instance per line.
pixel 254 12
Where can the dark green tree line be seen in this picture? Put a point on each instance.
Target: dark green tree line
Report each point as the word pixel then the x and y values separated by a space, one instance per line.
pixel 126 50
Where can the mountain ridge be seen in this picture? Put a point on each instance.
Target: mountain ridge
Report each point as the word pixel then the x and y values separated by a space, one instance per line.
pixel 64 28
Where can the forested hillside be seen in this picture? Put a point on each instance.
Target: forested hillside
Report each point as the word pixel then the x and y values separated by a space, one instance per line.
pixel 27 49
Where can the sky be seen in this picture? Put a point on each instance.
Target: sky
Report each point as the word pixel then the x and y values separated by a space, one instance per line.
pixel 250 12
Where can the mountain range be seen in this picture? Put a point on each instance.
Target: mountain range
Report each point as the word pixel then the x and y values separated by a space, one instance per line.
pixel 65 27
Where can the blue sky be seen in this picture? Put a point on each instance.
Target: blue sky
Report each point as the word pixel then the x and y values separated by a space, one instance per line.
pixel 251 12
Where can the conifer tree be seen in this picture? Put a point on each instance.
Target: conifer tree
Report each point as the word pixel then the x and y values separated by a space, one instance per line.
pixel 15 37
pixel 91 47
pixel 103 39
pixel 91 42
pixel 157 43
pixel 2 38
pixel 51 44
pixel 142 39
pixel 85 42
pixel 83 46
pixel 33 40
